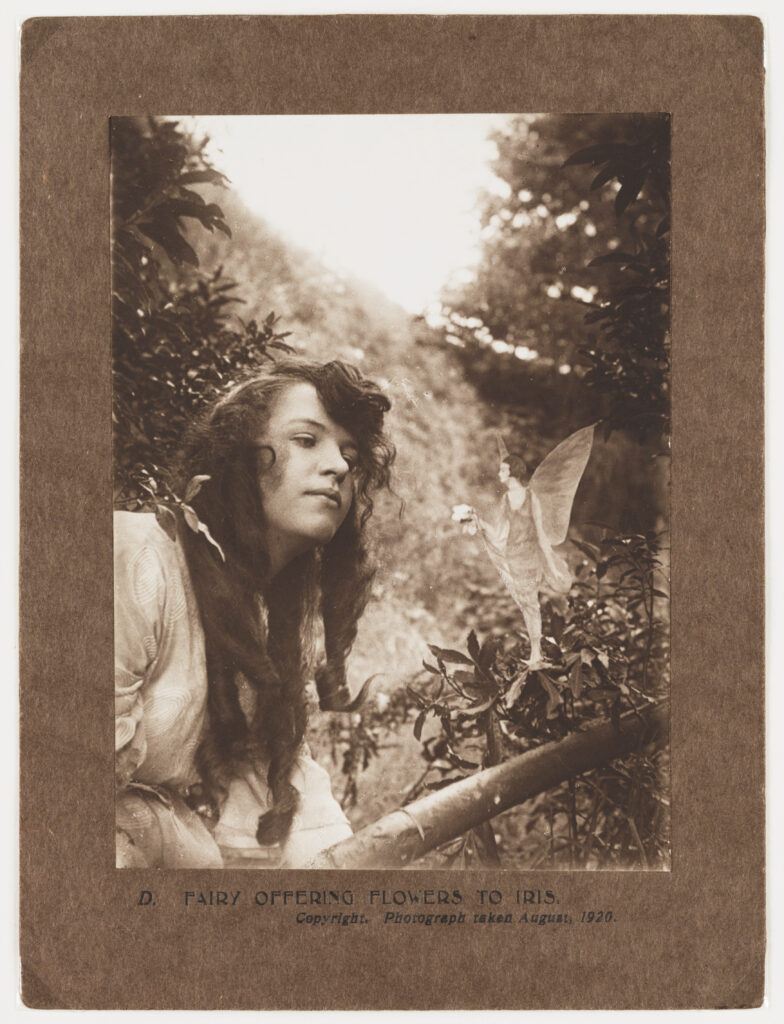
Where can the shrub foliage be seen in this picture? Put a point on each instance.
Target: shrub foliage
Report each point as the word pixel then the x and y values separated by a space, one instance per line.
pixel 175 338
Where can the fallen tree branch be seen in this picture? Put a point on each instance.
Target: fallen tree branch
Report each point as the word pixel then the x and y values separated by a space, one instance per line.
pixel 406 834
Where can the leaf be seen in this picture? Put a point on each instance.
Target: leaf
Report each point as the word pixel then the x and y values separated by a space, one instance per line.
pixel 465 678
pixel 553 696
pixel 418 699
pixel 605 175
pixel 490 648
pixel 576 678
pixel 197 177
pixel 473 646
pixel 171 241
pixel 514 691
pixel 590 155
pixel 191 518
pixel 194 486
pixel 214 211
pixel 193 197
pixel 198 526
pixel 167 520
pixel 474 710
pixel 431 668
pixel 203 528
pixel 630 189
pixel 420 721
pixel 458 761
pixel 186 208
pixel 589 550
pixel 450 657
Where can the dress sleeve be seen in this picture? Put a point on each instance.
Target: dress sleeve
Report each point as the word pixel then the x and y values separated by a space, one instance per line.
pixel 319 822
pixel 154 825
pixel 139 598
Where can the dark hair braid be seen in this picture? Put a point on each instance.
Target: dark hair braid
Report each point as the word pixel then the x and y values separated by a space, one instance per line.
pixel 346 579
pixel 282 711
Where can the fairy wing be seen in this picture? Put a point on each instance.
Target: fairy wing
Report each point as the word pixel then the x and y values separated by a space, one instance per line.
pixel 555 481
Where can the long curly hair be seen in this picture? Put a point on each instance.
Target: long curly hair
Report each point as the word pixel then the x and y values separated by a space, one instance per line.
pixel 259 626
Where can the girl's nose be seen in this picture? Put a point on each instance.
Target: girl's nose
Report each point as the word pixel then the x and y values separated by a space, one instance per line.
pixel 335 463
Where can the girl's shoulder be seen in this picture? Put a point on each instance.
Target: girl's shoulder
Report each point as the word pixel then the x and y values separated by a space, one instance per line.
pixel 149 567
pixel 137 531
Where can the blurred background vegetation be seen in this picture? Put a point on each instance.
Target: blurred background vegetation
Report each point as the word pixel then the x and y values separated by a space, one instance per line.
pixel 565 321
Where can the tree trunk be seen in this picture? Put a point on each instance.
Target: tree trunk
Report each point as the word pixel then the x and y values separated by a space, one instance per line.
pixel 406 834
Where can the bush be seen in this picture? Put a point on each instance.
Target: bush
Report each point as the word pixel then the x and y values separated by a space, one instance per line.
pixel 175 342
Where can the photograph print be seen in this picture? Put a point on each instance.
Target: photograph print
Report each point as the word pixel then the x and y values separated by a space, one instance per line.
pixel 391 450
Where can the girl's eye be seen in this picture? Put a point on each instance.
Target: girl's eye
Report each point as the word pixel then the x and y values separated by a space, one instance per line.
pixel 305 440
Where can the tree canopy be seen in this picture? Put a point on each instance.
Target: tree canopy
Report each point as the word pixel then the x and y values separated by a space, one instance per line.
pixel 574 270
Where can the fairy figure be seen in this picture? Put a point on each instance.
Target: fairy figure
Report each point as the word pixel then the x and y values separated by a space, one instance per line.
pixel 528 522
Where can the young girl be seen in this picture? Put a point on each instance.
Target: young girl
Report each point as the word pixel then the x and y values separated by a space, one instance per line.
pixel 214 630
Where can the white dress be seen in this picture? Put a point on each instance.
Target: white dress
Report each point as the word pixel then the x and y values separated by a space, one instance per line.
pixel 160 714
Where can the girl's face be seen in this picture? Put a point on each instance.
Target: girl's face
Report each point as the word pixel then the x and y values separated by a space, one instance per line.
pixel 308 490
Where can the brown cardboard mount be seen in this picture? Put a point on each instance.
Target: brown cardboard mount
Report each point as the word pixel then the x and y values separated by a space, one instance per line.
pixel 692 937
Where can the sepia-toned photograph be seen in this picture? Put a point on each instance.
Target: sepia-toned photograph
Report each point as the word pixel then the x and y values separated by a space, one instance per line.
pixel 392 426
pixel 391 449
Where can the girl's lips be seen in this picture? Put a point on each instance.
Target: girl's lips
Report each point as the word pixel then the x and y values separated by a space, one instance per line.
pixel 330 495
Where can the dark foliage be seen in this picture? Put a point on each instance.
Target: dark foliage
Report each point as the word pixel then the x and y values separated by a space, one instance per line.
pixel 175 340
pixel 607 653
pixel 561 251
pixel 628 359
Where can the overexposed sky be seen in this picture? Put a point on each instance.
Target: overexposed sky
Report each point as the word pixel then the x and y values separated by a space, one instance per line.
pixel 388 198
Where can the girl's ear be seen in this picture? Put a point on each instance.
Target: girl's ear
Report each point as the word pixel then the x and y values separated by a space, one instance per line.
pixel 265 457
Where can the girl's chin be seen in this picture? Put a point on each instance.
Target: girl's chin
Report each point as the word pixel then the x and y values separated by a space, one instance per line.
pixel 307 535
pixel 320 535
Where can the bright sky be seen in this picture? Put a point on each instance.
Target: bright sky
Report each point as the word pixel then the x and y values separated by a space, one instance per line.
pixel 387 198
